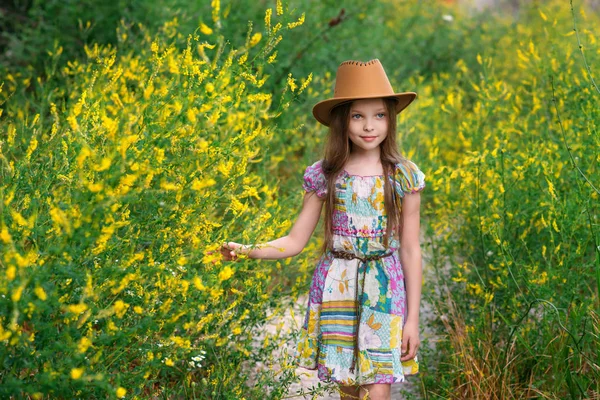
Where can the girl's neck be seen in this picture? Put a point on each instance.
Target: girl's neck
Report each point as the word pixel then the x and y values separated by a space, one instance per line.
pixel 371 155
pixel 364 163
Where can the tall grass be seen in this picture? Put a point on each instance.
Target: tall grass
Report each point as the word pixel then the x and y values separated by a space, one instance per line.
pixel 513 138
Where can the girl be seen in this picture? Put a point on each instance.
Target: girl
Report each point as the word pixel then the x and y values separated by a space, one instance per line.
pixel 362 323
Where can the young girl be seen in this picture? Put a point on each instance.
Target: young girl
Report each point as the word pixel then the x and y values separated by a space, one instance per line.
pixel 362 323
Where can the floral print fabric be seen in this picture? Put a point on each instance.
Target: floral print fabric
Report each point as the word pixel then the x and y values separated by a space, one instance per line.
pixel 359 225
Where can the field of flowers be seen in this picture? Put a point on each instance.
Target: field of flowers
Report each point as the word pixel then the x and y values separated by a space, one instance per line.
pixel 127 158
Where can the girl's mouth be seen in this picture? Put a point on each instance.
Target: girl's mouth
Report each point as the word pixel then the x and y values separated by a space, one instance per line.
pixel 368 138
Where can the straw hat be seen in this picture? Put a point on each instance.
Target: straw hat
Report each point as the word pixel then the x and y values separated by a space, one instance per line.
pixel 360 80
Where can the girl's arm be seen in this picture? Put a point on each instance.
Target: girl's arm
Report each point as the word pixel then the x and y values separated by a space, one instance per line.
pixel 287 246
pixel 410 256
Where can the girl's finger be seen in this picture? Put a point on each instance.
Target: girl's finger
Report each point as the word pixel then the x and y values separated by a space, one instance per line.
pixel 412 353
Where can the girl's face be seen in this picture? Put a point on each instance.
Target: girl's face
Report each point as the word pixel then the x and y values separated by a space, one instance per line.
pixel 368 125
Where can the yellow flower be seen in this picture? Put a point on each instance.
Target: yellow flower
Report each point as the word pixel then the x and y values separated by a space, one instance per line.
pixel 292 25
pixel 291 82
pixel 169 186
pixel 77 308
pixel 474 288
pixel 216 8
pixel 198 185
pixel 121 392
pixel 205 29
pixel 255 39
pixel 169 362
pixel 120 308
pixel 76 373
pixel 198 283
pixel 84 344
pixel 40 293
pixel 11 272
pixel 104 165
pixel 268 18
pixel 16 295
pixel 4 235
pixel 225 273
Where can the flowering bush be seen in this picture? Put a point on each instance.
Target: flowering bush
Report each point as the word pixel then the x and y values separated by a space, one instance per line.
pixel 511 134
pixel 117 189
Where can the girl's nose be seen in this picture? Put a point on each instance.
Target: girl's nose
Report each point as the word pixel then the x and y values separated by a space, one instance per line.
pixel 367 127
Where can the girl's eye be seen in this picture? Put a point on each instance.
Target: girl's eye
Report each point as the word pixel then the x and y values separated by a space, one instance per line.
pixel 380 115
pixel 356 116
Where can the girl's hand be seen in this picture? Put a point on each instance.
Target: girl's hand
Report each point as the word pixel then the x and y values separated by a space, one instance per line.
pixel 230 250
pixel 410 341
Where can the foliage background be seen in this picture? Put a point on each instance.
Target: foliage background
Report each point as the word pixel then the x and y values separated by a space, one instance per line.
pixel 132 145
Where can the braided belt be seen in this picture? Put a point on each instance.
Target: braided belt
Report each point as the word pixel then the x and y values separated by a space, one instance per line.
pixel 344 255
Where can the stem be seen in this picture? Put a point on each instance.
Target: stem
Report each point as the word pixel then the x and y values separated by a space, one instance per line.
pixel 479 216
pixel 587 67
pixel 343 15
pixel 564 137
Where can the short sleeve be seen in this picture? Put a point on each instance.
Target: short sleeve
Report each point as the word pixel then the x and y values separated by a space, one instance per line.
pixel 408 178
pixel 314 179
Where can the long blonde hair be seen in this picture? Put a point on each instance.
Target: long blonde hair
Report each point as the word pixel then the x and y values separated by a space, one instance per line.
pixel 337 153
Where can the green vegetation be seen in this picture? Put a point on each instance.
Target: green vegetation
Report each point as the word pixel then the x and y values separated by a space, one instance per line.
pixel 132 146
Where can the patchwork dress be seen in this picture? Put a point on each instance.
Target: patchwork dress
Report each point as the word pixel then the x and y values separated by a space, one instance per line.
pixel 327 341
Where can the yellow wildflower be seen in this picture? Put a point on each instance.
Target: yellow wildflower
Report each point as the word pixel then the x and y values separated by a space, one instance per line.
pixel 204 183
pixel 104 165
pixel 77 308
pixel 121 392
pixel 40 293
pixel 216 8
pixel 198 283
pixel 255 39
pixel 84 344
pixel 120 308
pixel 169 186
pixel 16 294
pixel 11 272
pixel 4 235
pixel 300 21
pixel 268 14
pixel 291 82
pixel 76 373
pixel 205 29
pixel 225 273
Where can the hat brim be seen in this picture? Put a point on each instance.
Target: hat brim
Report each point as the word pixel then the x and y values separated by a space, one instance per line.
pixel 322 110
